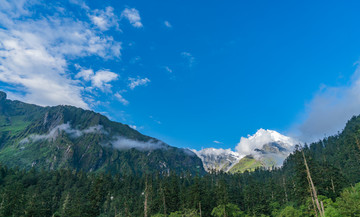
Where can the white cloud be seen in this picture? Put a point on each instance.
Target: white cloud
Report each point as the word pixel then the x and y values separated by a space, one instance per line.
pixel 189 57
pixel 133 16
pixel 121 99
pixel 54 133
pixel 168 69
pixel 217 142
pixel 329 110
pixel 247 145
pixel 34 54
pixel 80 3
pixel 104 19
pixel 167 24
pixel 14 9
pixel 133 126
pixel 279 146
pixel 134 82
pixel 86 74
pixel 123 143
pixel 102 78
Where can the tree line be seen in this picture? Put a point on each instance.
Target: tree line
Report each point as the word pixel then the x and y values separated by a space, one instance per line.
pixel 321 179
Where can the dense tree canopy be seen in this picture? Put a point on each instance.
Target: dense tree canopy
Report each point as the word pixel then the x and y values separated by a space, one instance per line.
pixel 334 166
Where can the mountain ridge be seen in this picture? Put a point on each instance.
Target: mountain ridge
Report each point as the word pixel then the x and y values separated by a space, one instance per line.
pixel 69 137
pixel 265 148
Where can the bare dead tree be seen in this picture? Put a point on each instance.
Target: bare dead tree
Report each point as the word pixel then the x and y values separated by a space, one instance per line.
pixel 312 188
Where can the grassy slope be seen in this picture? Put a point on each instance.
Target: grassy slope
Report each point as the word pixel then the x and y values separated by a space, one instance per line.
pixel 248 163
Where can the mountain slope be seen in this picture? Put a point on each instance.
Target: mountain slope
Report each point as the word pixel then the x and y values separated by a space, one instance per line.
pixel 218 159
pixel 247 163
pixel 266 148
pixel 70 137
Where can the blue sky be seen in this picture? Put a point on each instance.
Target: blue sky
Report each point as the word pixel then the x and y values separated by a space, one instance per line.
pixel 193 74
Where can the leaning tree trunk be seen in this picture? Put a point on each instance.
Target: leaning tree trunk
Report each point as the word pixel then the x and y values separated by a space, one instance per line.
pixel 312 188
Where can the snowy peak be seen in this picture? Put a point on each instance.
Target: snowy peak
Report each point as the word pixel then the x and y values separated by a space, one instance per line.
pixel 263 137
pixel 268 146
pixel 218 159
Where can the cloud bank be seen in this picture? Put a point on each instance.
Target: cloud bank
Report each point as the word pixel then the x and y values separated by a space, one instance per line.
pixel 122 143
pixel 54 133
pixel 117 142
pixel 329 110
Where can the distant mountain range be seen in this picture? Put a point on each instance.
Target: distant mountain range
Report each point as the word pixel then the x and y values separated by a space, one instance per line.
pixel 70 137
pixel 266 148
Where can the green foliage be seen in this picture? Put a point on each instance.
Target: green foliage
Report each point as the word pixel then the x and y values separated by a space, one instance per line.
pixel 158 215
pixel 332 212
pixel 185 213
pixel 348 204
pixel 290 211
pixel 228 210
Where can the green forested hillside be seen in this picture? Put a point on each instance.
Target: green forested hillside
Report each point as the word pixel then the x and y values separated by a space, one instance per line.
pixel 333 164
pixel 73 138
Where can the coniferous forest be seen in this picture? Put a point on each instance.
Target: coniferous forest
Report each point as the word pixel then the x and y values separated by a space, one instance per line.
pixel 320 179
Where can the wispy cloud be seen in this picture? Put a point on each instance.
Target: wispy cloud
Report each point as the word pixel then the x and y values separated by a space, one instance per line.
pixel 123 143
pixel 54 133
pixel 136 127
pixel 135 82
pixel 167 68
pixel 329 110
pixel 217 142
pixel 104 19
pixel 135 60
pixel 167 24
pixel 121 99
pixel 154 119
pixel 189 58
pixel 133 126
pixel 133 16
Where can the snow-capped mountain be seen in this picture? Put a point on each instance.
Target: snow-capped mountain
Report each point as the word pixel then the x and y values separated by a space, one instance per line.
pixel 218 159
pixel 266 147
